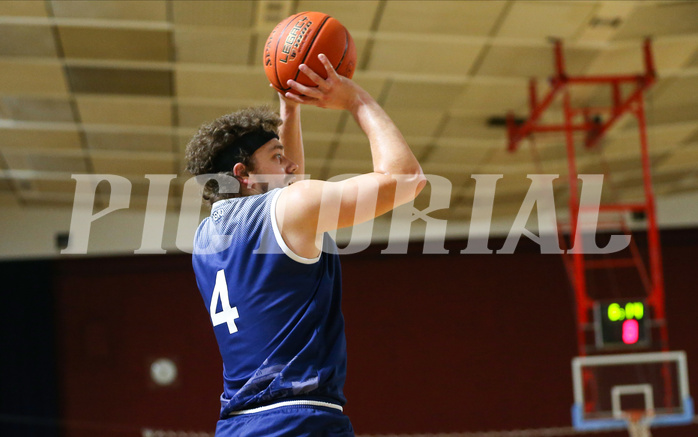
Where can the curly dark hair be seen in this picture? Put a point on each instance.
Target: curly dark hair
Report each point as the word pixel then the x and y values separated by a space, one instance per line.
pixel 207 144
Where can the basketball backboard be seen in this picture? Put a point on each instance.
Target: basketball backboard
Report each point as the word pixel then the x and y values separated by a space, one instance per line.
pixel 608 387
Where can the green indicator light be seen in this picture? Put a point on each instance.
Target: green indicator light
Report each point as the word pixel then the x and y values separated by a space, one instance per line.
pixel 615 312
pixel 633 310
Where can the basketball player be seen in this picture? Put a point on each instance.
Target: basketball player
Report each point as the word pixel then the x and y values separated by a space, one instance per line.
pixel 273 289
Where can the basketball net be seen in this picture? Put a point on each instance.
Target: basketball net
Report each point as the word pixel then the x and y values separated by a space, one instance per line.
pixel 637 427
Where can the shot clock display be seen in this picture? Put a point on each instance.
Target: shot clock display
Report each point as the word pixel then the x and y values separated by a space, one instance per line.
pixel 621 324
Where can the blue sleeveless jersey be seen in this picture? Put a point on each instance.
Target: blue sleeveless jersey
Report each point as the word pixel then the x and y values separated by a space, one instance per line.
pixel 276 315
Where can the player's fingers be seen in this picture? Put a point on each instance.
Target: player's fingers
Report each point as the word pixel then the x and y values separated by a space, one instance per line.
pixel 293 97
pixel 306 90
pixel 301 99
pixel 328 66
pixel 312 75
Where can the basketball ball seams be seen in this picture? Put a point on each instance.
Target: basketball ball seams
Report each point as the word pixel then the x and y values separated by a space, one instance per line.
pixel 310 46
pixel 276 51
pixel 346 49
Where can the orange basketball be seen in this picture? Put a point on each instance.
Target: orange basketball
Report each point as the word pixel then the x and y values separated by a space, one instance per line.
pixel 299 39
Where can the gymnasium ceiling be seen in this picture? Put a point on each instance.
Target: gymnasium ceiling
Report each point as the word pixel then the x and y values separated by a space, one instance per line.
pixel 119 87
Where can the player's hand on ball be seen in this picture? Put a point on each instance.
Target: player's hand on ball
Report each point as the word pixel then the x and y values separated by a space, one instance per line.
pixel 283 100
pixel 335 92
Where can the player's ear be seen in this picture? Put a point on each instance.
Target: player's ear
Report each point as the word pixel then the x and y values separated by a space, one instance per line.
pixel 239 170
pixel 241 174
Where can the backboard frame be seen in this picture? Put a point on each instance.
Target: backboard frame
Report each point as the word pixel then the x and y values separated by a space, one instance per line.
pixel 618 420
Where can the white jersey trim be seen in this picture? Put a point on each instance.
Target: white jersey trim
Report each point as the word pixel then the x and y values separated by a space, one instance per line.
pixel 287 404
pixel 280 240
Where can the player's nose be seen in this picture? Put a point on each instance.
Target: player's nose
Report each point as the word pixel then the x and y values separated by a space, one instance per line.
pixel 291 167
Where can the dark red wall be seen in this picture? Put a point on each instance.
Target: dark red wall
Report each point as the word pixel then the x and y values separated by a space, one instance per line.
pixel 438 343
pixel 115 317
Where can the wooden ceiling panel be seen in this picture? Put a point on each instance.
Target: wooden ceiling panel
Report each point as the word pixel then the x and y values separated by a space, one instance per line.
pixel 504 158
pixel 316 148
pixel 354 150
pixel 441 17
pixel 494 167
pixel 663 176
pixel 136 165
pixel 151 10
pixel 27 40
pixel 660 139
pixel 682 91
pixel 672 18
pixel 673 54
pixel 54 186
pixel 683 113
pixel 492 99
pixel 472 127
pixel 552 151
pixel 32 78
pixel 465 156
pixel 212 46
pixel 98 80
pixel 68 164
pixel 325 121
pixel 181 144
pixel 618 60
pixel 421 95
pixel 692 139
pixel 417 122
pixel 191 82
pixel 536 19
pixel 668 55
pixel 194 115
pixel 22 8
pixel 5 185
pixel 372 84
pixel 684 157
pixel 8 198
pixel 27 160
pixel 520 61
pixel 360 149
pixel 619 163
pixel 348 167
pixel 33 138
pixel 412 123
pixel 230 14
pixel 313 170
pixel 36 109
pixel 114 43
pixel 672 134
pixel 37 199
pixel 352 14
pixel 419 55
pixel 136 111
pixel 693 62
pixel 129 141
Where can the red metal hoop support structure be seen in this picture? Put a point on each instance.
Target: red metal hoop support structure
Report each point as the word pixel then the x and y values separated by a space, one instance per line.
pixel 595 128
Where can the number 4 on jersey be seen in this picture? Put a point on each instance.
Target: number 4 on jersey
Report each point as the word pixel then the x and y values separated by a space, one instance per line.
pixel 227 314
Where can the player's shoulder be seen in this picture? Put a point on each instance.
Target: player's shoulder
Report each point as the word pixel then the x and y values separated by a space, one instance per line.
pixel 303 191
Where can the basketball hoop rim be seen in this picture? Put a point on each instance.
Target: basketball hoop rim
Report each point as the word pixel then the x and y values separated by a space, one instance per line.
pixel 638 422
pixel 637 415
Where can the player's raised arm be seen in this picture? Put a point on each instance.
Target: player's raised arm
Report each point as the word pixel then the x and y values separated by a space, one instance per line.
pixel 290 132
pixel 308 208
